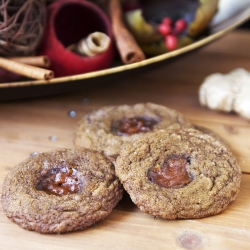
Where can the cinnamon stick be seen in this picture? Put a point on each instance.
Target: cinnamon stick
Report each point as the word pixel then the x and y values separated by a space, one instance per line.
pixel 129 50
pixel 26 70
pixel 38 61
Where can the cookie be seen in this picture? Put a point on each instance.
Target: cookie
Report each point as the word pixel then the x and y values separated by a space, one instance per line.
pixel 215 135
pixel 179 174
pixel 61 191
pixel 110 128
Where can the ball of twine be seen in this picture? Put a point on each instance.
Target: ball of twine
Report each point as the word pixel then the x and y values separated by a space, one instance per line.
pixel 21 26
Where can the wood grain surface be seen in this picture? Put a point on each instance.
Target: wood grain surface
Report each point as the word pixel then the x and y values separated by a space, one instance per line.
pixel 39 125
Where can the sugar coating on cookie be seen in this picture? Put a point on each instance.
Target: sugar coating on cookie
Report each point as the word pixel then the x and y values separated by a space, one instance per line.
pixel 180 173
pixel 110 128
pixel 215 135
pixel 61 191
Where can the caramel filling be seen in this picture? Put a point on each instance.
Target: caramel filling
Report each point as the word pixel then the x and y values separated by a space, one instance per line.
pixel 134 125
pixel 171 174
pixel 59 181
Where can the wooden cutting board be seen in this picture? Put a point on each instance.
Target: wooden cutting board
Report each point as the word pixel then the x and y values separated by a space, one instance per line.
pixel 38 125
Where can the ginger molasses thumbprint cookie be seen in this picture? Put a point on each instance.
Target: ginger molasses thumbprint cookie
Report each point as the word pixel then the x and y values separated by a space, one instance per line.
pixel 61 191
pixel 110 128
pixel 179 174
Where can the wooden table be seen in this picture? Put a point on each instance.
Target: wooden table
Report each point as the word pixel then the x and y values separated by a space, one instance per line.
pixel 38 125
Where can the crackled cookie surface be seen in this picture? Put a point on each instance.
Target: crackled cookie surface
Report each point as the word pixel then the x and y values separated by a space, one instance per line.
pixel 61 191
pixel 110 128
pixel 215 135
pixel 179 174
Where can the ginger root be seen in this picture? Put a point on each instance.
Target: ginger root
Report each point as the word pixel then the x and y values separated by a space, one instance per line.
pixel 227 92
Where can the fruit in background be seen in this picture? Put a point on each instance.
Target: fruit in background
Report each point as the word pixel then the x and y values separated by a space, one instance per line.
pixel 161 26
pixel 203 17
pixel 159 47
pixel 142 31
pixel 69 21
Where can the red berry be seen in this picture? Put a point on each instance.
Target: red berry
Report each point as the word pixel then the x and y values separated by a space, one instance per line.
pixel 171 42
pixel 167 20
pixel 164 29
pixel 180 25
